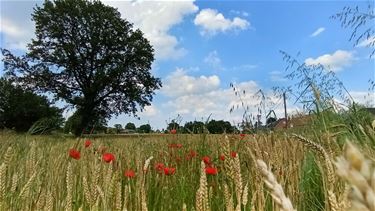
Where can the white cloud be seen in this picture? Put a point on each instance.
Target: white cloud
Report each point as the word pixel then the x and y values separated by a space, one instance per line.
pixel 335 62
pixel 277 76
pixel 317 32
pixel 213 100
pixel 179 84
pixel 212 22
pixel 214 60
pixel 155 19
pixel 217 102
pixel 150 111
pixel 367 42
pixel 363 97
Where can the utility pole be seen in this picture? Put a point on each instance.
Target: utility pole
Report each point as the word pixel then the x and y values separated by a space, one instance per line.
pixel 285 113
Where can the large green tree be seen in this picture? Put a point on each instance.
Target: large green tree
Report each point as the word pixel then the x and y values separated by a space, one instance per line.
pixel 87 55
pixel 146 128
pixel 20 109
pixel 219 126
pixel 195 127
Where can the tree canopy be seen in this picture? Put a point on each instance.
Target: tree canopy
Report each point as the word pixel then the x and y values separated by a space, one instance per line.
pixel 20 109
pixel 146 128
pixel 87 55
pixel 130 126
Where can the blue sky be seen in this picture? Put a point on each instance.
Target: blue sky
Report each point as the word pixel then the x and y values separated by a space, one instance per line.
pixel 203 46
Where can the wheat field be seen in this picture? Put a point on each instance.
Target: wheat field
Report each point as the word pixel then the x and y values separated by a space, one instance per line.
pixel 267 171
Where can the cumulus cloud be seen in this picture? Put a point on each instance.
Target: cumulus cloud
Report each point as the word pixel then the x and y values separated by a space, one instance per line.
pixel 217 102
pixel 335 62
pixel 207 100
pixel 179 83
pixel 317 32
pixel 213 22
pixel 155 19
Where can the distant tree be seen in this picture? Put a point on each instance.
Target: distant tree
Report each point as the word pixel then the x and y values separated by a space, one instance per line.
pixel 118 128
pixel 20 109
pixel 195 127
pixel 173 125
pixel 130 126
pixel 146 128
pixel 218 127
pixel 86 54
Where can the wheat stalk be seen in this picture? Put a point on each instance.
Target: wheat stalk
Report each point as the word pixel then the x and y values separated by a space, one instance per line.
pixel 49 202
pixel 69 187
pixel 3 172
pixel 245 194
pixel 359 172
pixel 228 198
pixel 238 181
pixel 332 199
pixel 277 191
pixel 201 200
pixel 86 191
pixel 8 156
pixel 41 201
pixel 14 183
pixel 118 198
pixel 228 163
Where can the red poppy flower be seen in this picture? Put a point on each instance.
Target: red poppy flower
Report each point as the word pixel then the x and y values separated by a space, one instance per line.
pixel 87 143
pixel 159 167
pixel 242 135
pixel 173 131
pixel 75 154
pixel 211 170
pixel 206 160
pixel 169 171
pixel 233 154
pixel 108 157
pixel 129 173
pixel 222 157
pixel 193 153
pixel 178 145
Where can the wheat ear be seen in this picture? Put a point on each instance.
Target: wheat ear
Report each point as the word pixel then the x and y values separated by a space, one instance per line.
pixel 201 199
pixel 332 199
pixel 359 172
pixel 277 191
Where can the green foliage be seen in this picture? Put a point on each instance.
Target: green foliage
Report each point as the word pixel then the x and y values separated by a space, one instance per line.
pixel 311 185
pixel 86 54
pixel 146 128
pixel 130 126
pixel 220 126
pixel 173 125
pixel 118 128
pixel 195 127
pixel 20 109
